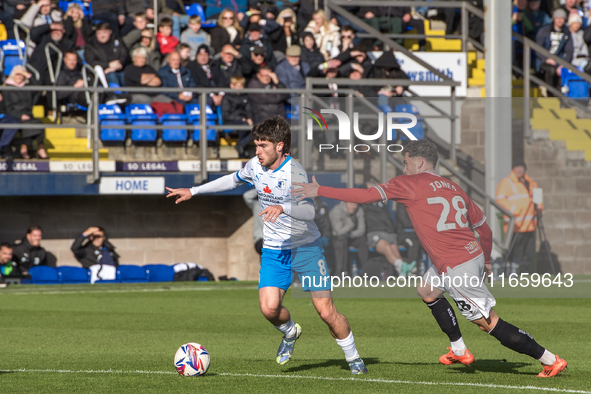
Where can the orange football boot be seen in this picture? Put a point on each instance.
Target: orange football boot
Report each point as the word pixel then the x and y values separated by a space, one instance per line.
pixel 554 369
pixel 450 358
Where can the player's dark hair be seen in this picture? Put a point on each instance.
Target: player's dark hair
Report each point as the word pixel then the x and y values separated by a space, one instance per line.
pixel 274 129
pixel 422 148
pixel 33 228
pixel 6 245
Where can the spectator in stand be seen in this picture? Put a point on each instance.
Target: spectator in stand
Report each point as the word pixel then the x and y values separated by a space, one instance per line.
pixel 200 69
pixel 71 75
pixel 194 36
pixel 254 38
pixel 573 7
pixel 230 63
pixel 7 19
pixel 381 234
pixel 78 28
pixel 165 39
pixel 255 14
pixel 112 12
pixel 237 109
pixel 227 31
pixel 185 51
pixel 580 48
pixel 39 59
pixel 347 39
pixel 310 52
pixel 286 35
pixel 180 19
pixel 140 74
pixel 326 34
pixel 173 75
pixel 107 55
pixel 347 220
pixel 29 252
pixel 16 8
pixel 267 104
pixel 92 247
pixel 8 267
pixel 140 22
pixel 388 67
pixel 557 39
pixel 534 18
pixel 292 71
pixel 19 105
pixel 476 25
pixel 255 61
pixel 40 14
pixel 148 42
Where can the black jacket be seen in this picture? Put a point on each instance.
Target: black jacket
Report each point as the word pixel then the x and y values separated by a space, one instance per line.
pixel 279 40
pixel 19 102
pixel 377 218
pixel 39 60
pixel 71 32
pixel 220 37
pixel 236 106
pixel 200 76
pixel 88 254
pixel 28 256
pixel 269 104
pixel 248 45
pixel 222 73
pixel 97 54
pixel 322 218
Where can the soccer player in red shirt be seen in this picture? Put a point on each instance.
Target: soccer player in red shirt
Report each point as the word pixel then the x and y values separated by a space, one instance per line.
pixel 445 218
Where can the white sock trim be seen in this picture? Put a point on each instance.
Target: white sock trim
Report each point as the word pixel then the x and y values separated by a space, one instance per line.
pixel 288 328
pixel 348 346
pixel 459 347
pixel 547 358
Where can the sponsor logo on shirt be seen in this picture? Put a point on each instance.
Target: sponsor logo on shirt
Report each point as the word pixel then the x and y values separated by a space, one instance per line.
pixel 472 247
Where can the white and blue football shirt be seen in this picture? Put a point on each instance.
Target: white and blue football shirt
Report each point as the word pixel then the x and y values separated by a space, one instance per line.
pixel 274 188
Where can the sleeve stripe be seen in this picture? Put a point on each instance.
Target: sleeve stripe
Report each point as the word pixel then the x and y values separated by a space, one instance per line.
pixel 238 176
pixel 480 223
pixel 382 193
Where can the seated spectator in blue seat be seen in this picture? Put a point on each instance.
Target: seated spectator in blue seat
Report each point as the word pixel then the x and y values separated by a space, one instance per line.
pixel 173 75
pixel 19 104
pixel 92 247
pixel 29 253
pixel 107 54
pixel 292 71
pixel 140 74
pixel 71 75
pixel 194 36
pixel 237 109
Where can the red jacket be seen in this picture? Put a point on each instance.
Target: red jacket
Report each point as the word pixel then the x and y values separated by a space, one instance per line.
pixel 167 44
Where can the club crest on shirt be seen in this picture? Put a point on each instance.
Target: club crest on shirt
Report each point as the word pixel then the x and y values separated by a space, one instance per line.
pixel 281 184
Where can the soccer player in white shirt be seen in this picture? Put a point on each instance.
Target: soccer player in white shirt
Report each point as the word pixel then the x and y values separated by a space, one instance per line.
pixel 291 239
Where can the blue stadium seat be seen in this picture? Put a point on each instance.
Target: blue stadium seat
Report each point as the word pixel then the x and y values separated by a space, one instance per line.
pixel 10 56
pixel 160 272
pixel 193 112
pixel 573 86
pixel 419 129
pixel 132 274
pixel 197 9
pixel 142 115
pixel 214 7
pixel 72 275
pixel 111 115
pixel 408 108
pixel 292 112
pixel 210 133
pixel 174 135
pixel 44 275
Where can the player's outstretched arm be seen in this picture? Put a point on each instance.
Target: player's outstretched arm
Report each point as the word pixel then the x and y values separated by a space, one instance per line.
pixel 179 195
pixel 359 196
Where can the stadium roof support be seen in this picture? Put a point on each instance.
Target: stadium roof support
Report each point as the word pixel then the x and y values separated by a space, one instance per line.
pixel 498 126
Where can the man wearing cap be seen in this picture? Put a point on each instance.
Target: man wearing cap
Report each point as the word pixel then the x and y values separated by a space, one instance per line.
pixel 255 38
pixel 557 39
pixel 291 71
pixel 515 194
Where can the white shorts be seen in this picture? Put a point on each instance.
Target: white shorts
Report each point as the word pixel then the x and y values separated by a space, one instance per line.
pixel 468 290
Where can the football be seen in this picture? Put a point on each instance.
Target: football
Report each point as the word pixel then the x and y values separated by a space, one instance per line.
pixel 192 359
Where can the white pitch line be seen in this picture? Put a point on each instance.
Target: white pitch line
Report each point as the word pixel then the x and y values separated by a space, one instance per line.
pixel 251 375
pixel 128 290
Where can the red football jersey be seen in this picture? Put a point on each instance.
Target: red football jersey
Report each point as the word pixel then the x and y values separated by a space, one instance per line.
pixel 442 214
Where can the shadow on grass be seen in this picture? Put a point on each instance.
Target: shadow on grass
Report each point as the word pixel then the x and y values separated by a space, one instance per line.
pixel 498 366
pixel 332 363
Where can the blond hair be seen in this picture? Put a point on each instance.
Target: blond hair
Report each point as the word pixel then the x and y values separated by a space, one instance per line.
pixel 235 22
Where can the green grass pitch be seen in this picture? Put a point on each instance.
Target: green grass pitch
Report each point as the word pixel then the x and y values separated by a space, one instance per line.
pixel 122 339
